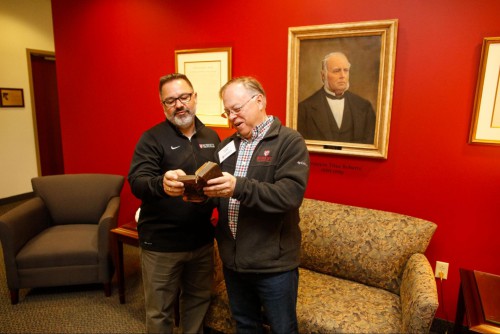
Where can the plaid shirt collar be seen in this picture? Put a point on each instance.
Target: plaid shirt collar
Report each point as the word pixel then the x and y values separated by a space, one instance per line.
pixel 260 130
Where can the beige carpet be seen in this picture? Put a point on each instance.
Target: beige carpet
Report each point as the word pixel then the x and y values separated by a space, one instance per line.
pixel 76 309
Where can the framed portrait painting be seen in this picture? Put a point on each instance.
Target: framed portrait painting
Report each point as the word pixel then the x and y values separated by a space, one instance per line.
pixel 485 127
pixel 340 79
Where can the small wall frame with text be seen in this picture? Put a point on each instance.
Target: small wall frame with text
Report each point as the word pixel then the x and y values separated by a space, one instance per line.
pixel 11 98
pixel 208 70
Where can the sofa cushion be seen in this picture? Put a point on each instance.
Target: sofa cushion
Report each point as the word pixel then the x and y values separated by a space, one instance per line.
pixel 328 304
pixel 363 245
pixel 59 246
pixel 357 308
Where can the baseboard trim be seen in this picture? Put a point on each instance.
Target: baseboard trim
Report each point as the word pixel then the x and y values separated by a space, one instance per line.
pixel 16 198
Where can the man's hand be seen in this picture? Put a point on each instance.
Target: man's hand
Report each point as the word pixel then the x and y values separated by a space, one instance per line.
pixel 171 186
pixel 221 186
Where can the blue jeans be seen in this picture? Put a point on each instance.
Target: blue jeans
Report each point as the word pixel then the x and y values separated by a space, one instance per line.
pixel 275 293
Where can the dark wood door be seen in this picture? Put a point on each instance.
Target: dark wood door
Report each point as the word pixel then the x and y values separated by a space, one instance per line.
pixel 46 108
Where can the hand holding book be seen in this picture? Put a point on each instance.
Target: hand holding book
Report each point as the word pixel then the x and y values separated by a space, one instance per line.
pixel 193 184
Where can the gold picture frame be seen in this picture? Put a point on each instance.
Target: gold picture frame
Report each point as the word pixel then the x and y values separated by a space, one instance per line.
pixel 485 127
pixel 371 49
pixel 11 98
pixel 208 70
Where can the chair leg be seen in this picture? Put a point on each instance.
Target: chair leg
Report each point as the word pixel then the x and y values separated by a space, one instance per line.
pixel 14 296
pixel 107 289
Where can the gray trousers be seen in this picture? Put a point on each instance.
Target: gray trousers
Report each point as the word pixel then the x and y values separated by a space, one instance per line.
pixel 164 275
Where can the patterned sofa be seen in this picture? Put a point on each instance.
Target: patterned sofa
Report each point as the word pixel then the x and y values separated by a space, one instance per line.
pixel 362 271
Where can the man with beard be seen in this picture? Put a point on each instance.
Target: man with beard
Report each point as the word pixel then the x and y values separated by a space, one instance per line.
pixel 175 236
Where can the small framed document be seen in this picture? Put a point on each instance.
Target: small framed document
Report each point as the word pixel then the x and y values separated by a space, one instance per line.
pixel 11 98
pixel 208 70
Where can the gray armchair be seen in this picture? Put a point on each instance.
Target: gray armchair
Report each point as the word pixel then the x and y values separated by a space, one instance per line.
pixel 61 236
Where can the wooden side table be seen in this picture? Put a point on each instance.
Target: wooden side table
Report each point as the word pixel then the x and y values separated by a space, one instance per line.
pixel 481 313
pixel 126 233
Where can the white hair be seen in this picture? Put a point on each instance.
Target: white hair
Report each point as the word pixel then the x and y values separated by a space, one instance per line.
pixel 332 54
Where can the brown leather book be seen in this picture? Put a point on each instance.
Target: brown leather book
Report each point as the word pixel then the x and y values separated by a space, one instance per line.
pixel 209 170
pixel 193 184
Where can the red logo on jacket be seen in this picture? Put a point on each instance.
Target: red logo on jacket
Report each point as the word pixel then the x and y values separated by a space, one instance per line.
pixel 265 157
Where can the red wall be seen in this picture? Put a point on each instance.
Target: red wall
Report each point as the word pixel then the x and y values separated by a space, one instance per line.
pixel 110 55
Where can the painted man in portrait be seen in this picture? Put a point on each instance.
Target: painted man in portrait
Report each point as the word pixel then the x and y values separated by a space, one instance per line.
pixel 333 113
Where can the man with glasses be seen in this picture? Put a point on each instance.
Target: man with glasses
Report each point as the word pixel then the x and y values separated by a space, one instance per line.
pixel 175 236
pixel 265 171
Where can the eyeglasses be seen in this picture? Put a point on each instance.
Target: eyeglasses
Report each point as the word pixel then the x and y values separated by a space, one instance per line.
pixel 184 98
pixel 227 112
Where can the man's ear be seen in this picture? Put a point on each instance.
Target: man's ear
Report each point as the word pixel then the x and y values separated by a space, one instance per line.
pixel 323 76
pixel 260 102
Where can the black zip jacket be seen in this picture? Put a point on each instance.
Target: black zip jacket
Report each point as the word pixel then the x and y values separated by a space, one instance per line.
pixel 169 224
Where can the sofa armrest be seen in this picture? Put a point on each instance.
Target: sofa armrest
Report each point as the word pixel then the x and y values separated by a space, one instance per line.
pixel 17 227
pixel 22 223
pixel 218 277
pixel 419 299
pixel 107 222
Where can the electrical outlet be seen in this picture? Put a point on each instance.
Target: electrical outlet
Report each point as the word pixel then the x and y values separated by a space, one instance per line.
pixel 441 267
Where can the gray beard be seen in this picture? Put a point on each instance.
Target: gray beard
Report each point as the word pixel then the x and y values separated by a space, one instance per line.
pixel 182 122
